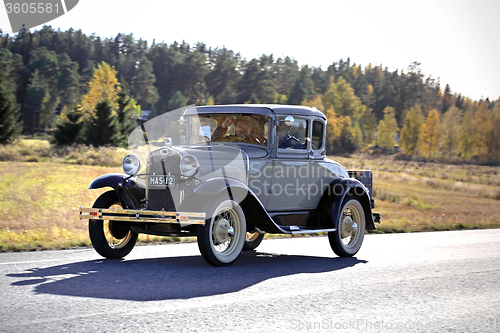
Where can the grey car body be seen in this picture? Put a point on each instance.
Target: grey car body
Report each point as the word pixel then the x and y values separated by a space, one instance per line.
pixel 229 175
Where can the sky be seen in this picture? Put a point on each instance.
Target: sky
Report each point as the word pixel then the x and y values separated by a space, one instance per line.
pixel 457 41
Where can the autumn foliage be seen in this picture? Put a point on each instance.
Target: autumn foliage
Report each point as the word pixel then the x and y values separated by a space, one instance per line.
pixel 52 82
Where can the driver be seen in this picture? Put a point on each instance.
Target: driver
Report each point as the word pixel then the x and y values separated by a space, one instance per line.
pixel 287 141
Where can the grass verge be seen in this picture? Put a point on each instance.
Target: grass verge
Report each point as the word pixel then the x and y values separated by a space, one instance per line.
pixel 34 150
pixel 416 197
pixel 39 201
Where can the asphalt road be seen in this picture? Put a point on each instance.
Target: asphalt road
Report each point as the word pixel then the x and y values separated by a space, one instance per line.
pixel 422 282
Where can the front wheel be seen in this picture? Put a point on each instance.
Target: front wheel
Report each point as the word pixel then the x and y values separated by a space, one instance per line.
pixel 347 239
pixel 222 237
pixel 109 238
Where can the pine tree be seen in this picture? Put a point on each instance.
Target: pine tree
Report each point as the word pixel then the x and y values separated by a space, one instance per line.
pixel 36 91
pixel 265 87
pixel 125 123
pixel 177 101
pixel 303 88
pixel 11 65
pixel 249 81
pixel 431 133
pixel 223 77
pixel 191 73
pixel 68 129
pixel 228 97
pixel 143 88
pixel 413 89
pixel 46 63
pixel 285 74
pixel 68 81
pixel 10 126
pixel 387 129
pixel 412 128
pixel 446 99
pixel 101 128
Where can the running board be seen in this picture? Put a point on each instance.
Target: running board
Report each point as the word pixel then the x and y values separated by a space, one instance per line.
pixel 295 230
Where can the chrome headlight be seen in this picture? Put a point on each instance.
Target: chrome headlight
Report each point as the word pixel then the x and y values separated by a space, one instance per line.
pixel 131 164
pixel 189 166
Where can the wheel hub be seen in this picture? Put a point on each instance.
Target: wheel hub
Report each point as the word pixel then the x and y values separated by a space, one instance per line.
pixel 348 227
pixel 223 231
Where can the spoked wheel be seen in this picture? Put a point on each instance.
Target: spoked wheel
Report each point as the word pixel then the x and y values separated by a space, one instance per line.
pixel 109 238
pixel 252 240
pixel 221 239
pixel 347 239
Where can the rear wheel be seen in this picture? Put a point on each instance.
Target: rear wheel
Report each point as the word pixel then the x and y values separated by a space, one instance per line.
pixel 347 239
pixel 109 238
pixel 222 237
pixel 252 240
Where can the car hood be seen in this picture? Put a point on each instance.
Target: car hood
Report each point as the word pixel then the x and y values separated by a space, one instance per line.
pixel 219 161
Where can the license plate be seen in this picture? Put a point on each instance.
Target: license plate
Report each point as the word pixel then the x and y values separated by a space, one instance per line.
pixel 162 180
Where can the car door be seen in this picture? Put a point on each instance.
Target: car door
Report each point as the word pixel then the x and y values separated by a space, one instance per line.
pixel 291 170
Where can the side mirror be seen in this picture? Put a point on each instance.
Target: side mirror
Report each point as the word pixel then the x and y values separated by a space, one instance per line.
pixel 289 121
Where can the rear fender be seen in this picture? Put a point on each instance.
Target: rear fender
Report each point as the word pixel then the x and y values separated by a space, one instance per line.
pixel 335 194
pixel 125 188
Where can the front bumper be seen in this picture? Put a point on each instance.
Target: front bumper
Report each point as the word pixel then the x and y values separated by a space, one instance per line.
pixel 130 215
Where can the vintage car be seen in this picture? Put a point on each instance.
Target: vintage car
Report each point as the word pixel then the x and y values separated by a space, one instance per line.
pixel 228 175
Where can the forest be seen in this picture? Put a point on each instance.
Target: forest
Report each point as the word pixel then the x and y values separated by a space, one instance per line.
pixel 66 85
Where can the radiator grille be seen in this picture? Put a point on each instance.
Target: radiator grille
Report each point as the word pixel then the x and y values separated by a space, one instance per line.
pixel 160 199
pixel 172 164
pixel 169 164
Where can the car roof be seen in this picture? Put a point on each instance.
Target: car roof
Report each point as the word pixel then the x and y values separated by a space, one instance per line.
pixel 263 109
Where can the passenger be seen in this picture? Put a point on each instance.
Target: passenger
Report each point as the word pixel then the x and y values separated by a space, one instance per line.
pixel 242 130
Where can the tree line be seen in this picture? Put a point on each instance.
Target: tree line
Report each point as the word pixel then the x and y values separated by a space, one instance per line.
pixel 71 84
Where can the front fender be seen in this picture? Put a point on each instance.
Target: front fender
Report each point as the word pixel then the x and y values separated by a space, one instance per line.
pixel 233 188
pixel 335 194
pixel 125 187
pixel 204 195
pixel 113 180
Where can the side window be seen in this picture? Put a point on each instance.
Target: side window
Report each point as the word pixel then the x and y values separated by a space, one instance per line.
pixel 292 133
pixel 317 135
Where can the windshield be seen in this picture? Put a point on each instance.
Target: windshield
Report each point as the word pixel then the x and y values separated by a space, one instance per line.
pixel 238 128
pixel 172 130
